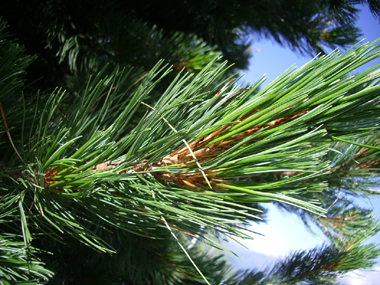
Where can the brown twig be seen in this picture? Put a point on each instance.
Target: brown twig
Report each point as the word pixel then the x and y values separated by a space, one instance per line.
pixel 8 133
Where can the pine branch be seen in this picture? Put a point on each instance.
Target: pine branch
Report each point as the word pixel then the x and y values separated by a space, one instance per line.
pixel 198 160
pixel 252 132
pixel 18 263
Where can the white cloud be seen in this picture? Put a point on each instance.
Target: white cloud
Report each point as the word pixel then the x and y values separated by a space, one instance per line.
pixel 284 234
pixel 361 277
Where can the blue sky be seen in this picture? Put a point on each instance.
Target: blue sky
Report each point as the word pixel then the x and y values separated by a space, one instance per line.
pixel 284 233
pixel 271 59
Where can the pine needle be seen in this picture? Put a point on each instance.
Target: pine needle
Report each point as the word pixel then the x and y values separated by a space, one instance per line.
pixel 184 250
pixel 185 142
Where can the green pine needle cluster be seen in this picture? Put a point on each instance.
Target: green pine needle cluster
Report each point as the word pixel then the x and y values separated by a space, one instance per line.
pixel 113 169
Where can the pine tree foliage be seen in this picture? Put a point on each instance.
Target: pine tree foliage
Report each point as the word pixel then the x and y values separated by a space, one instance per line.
pixel 76 35
pixel 316 266
pixel 111 180
pixel 18 264
pixel 303 26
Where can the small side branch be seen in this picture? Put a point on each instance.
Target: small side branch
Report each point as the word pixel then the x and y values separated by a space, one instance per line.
pixel 8 133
